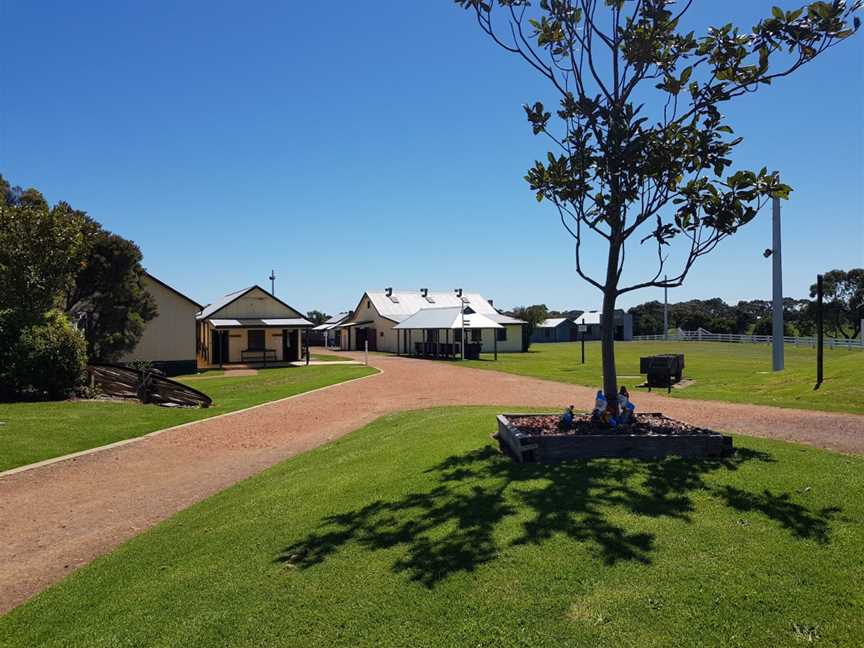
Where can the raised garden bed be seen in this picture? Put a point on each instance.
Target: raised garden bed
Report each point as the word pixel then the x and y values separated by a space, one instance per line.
pixel 535 438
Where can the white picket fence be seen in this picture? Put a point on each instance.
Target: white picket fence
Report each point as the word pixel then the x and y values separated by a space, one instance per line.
pixel 701 335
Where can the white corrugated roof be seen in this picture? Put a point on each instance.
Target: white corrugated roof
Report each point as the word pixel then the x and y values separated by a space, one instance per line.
pixel 332 322
pixel 268 321
pixel 552 322
pixel 446 318
pixel 220 303
pixel 408 302
pixel 591 317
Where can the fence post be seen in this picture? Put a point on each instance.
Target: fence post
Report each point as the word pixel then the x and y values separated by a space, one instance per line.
pixel 366 353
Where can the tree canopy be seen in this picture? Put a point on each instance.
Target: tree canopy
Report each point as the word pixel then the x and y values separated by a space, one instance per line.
pixel 640 148
pixel 843 300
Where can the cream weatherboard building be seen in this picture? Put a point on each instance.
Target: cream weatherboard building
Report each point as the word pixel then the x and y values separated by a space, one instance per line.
pixel 168 341
pixel 378 312
pixel 249 326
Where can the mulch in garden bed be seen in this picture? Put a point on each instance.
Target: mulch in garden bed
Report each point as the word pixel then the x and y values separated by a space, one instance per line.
pixel 648 424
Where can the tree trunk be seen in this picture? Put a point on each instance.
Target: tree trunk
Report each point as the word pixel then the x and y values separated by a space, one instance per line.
pixel 607 328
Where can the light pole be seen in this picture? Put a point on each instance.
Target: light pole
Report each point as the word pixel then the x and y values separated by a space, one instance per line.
pixel 272 279
pixel 777 271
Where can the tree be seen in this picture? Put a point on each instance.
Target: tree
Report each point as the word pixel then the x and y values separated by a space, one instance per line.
pixel 108 299
pixel 843 300
pixel 46 360
pixel 533 315
pixel 41 250
pixel 619 170
pixel 647 318
pixel 317 317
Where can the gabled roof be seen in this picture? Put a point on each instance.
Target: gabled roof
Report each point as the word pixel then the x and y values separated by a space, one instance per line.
pixel 552 322
pixel 404 303
pixel 172 289
pixel 338 317
pixel 212 309
pixel 333 322
pixel 593 317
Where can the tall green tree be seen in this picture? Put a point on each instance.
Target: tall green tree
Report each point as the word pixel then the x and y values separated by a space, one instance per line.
pixel 533 315
pixel 843 300
pixel 108 299
pixel 625 167
pixel 42 249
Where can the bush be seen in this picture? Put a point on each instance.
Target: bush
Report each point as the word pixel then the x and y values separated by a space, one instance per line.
pixel 47 359
pixel 766 327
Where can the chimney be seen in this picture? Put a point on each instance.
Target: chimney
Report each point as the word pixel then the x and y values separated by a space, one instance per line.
pixel 491 303
pixel 388 291
pixel 424 292
pixel 458 292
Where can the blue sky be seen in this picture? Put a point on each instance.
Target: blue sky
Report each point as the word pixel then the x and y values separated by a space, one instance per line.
pixel 381 144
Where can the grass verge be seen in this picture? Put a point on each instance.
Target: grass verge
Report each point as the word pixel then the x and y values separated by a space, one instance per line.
pixel 414 532
pixel 33 432
pixel 738 373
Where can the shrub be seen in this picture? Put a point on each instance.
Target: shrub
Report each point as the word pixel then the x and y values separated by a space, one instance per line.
pixel 48 358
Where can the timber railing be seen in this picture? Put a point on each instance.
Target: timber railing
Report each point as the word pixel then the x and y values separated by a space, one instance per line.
pixel 701 335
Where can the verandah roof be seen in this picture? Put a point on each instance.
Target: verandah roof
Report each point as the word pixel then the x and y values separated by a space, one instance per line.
pixel 445 318
pixel 261 323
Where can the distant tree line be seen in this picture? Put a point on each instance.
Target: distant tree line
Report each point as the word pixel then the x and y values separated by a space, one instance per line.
pixel 843 308
pixel 70 292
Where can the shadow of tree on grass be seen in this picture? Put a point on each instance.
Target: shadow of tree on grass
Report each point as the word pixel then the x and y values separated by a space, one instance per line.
pixel 451 527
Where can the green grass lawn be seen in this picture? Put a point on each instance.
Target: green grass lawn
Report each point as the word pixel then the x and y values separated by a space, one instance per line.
pixel 739 373
pixel 414 532
pixel 35 431
pixel 329 357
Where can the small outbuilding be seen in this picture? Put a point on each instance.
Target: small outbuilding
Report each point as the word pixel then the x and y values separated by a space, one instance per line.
pixel 249 326
pixel 327 334
pixel 555 329
pixel 623 323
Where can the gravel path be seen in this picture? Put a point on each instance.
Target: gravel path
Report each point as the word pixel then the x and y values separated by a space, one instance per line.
pixel 56 518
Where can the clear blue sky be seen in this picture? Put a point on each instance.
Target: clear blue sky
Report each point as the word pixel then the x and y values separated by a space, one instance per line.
pixel 379 144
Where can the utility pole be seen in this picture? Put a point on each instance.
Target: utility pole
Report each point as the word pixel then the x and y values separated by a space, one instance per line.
pixel 665 309
pixel 777 267
pixel 820 332
pixel 272 278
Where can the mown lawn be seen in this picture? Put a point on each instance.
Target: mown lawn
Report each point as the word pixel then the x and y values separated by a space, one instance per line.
pixel 738 373
pixel 414 532
pixel 35 431
pixel 329 357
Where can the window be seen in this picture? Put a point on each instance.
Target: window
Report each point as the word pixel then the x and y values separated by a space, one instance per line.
pixel 368 303
pixel 502 334
pixel 457 335
pixel 256 341
pixel 476 335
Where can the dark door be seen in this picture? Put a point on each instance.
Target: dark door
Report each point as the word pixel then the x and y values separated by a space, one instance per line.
pixel 289 350
pixel 220 347
pixel 372 338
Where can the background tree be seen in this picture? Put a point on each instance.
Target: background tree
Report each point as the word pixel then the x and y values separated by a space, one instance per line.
pixel 533 315
pixel 107 298
pixel 317 317
pixel 620 171
pixel 843 301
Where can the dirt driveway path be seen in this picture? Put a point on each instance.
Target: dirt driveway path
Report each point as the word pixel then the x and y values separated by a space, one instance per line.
pixel 56 518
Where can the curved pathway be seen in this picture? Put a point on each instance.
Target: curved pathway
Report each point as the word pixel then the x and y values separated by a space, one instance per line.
pixel 56 518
